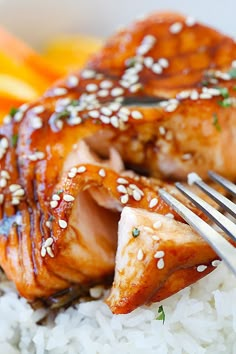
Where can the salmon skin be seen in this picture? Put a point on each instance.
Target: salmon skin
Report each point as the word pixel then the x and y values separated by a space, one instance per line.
pixel 161 93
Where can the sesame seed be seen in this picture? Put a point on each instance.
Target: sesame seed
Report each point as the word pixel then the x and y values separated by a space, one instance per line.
pixel 104 119
pixel 176 27
pixel 124 199
pixel 143 49
pixel 140 255
pixel 148 62
pixel 59 91
pixel 5 174
pixel 4 143
pixel 102 172
pixel 135 88
pixel 201 268
pixel 48 242
pixel 74 121
pixel 170 215
pixel 186 157
pixel 43 252
pixel 48 224
pixel 122 189
pixel 211 91
pixel 53 204
pixel 123 116
pixel 122 180
pixel 233 64
pixel 38 109
pixel 15 201
pixel 159 254
pixel 18 193
pixel 194 95
pixel 81 169
pixel 93 114
pixel 162 130
pixel 106 111
pixel 91 87
pixel 157 224
pixel 124 110
pixel 18 116
pixel 103 93
pixel 114 106
pixel 72 81
pixel 49 251
pixel 59 124
pixel 3 182
pixel 62 223
pixel 56 197
pixel 169 136
pixel 106 84
pixel 183 95
pixel 136 195
pixel 88 74
pixel 117 91
pixel 192 178
pixel 71 175
pixel 160 263
pixel 215 263
pixel 136 115
pixel 36 122
pixel 149 38
pixel 171 107
pixel 155 238
pixel 153 202
pixel 163 62
pixel 68 198
pixel 7 119
pixel 114 121
pixel 24 107
pixel 14 187
pixel 156 68
pixel 190 21
pixel 205 96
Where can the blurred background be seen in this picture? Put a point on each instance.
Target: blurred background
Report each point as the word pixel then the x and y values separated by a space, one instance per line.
pixel 37 20
pixel 50 38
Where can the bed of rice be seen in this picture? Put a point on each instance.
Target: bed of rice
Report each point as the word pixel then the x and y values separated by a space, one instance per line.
pixel 200 319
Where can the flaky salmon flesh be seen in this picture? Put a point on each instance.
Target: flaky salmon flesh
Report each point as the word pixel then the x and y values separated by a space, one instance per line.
pixel 81 167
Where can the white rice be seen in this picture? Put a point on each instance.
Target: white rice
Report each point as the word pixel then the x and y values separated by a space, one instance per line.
pixel 200 319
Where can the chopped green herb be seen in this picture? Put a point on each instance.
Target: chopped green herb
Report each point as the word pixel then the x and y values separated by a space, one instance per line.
pixel 14 140
pixel 232 73
pixel 63 114
pixel 225 103
pixel 13 111
pixel 216 122
pixel 51 218
pixel 74 103
pixel 223 91
pixel 60 191
pixel 135 232
pixel 131 62
pixel 234 88
pixel 161 314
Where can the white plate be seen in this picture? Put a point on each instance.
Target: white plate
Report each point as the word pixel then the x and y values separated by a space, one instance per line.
pixel 38 20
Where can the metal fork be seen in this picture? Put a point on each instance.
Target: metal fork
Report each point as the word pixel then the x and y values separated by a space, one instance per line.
pixel 222 247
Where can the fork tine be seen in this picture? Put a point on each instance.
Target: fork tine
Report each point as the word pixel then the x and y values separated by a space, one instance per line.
pixel 227 204
pixel 224 223
pixel 221 246
pixel 229 186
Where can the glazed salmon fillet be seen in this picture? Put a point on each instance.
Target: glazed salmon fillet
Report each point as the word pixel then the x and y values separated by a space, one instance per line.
pixel 159 99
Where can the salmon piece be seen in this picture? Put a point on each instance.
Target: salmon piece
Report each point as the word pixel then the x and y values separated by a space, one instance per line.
pixel 162 94
pixel 156 257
